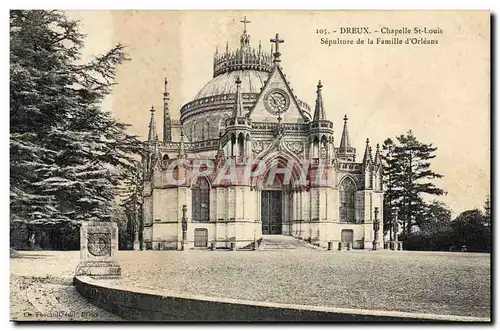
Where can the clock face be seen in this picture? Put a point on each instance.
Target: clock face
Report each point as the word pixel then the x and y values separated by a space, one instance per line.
pixel 276 101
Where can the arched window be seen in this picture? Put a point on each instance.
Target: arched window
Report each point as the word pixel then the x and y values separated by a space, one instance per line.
pixel 233 143
pixel 241 145
pixel 315 147
pixel 347 198
pixel 206 134
pixel 193 132
pixel 200 194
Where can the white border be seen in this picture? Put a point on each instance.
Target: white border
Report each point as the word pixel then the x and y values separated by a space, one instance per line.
pixel 492 5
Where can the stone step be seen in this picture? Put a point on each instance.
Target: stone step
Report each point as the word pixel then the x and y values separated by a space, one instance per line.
pixel 282 242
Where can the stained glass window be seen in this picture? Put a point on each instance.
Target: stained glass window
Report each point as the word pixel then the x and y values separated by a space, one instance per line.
pixel 200 191
pixel 347 198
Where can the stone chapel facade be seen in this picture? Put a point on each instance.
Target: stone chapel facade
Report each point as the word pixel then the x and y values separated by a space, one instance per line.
pixel 248 117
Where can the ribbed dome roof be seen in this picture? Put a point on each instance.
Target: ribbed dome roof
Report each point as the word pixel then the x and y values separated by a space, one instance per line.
pixel 251 82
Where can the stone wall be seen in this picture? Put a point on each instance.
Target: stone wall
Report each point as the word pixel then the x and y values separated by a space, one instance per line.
pixel 141 304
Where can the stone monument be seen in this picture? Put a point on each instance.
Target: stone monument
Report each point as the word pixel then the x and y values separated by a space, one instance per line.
pixel 98 246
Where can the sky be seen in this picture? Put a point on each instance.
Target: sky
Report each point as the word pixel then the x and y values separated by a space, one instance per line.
pixel 441 92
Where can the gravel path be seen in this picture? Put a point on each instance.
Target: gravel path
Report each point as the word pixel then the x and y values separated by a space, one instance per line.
pixel 41 289
pixel 419 282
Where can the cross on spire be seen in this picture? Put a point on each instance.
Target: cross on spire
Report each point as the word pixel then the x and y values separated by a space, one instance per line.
pixel 277 41
pixel 245 21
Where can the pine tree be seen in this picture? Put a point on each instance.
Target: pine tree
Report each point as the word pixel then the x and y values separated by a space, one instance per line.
pixel 408 177
pixel 68 155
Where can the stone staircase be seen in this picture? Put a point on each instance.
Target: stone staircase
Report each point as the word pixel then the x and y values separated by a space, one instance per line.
pixel 287 243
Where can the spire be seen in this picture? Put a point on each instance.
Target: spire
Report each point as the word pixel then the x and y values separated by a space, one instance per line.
pixel 367 156
pixel 319 111
pixel 220 150
pixel 345 144
pixel 152 136
pixel 167 123
pixel 377 155
pixel 238 106
pixel 182 149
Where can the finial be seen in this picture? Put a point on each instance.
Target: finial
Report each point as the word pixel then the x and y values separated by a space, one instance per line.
pixel 227 46
pixel 378 147
pixel 244 21
pixel 152 110
pixel 166 86
pixel 277 41
pixel 345 118
pixel 238 80
pixel 216 50
pixel 319 111
pixel 368 141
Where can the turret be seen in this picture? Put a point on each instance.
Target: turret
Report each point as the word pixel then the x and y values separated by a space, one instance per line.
pixel 345 151
pixel 319 111
pixel 238 127
pixel 320 130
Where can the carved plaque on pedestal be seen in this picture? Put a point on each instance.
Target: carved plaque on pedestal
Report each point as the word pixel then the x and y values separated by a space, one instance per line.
pixel 98 245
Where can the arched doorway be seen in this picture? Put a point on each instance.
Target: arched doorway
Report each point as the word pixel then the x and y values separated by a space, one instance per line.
pixel 271 211
pixel 276 199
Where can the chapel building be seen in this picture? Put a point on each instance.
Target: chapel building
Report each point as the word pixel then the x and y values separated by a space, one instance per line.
pixel 248 158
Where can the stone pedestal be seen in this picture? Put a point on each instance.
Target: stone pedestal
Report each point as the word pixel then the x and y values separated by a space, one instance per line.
pixel 393 245
pixel 137 246
pixel 98 246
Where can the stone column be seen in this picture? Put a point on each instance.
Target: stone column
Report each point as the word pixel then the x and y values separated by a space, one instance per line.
pixel 184 228
pixel 137 246
pixel 375 229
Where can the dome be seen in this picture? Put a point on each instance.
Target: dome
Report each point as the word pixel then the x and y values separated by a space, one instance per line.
pixel 251 82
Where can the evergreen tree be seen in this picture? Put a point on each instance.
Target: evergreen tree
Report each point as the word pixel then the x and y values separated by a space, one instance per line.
pixel 68 156
pixel 407 177
pixel 132 200
pixel 471 231
pixel 434 215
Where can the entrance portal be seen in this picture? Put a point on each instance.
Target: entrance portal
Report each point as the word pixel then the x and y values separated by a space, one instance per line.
pixel 271 212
